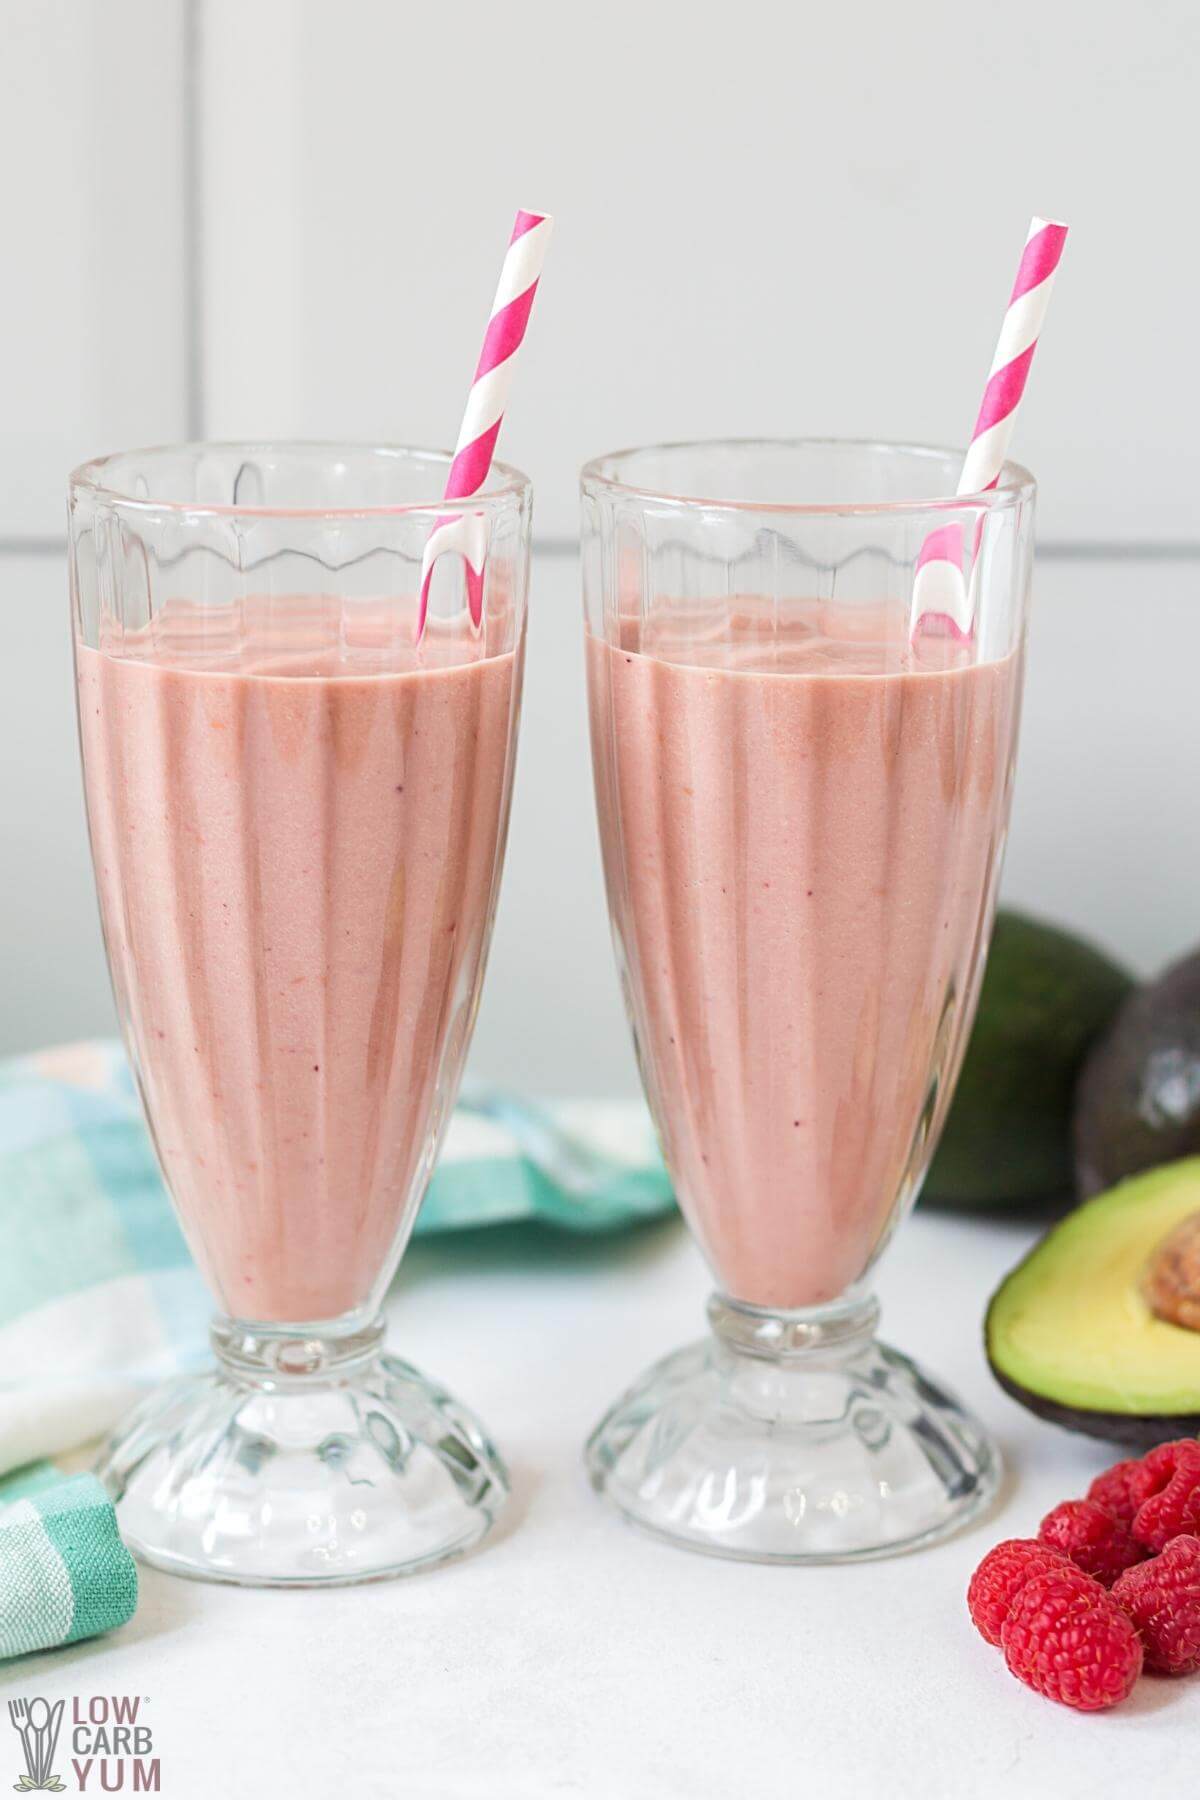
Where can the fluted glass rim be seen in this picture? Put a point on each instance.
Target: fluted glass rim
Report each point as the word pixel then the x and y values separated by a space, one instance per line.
pixel 601 476
pixel 89 479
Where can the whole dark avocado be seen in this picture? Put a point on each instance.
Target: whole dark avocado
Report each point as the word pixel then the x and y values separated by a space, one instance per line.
pixel 1046 997
pixel 1138 1101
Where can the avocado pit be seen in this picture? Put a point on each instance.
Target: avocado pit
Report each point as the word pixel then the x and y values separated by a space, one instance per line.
pixel 1171 1281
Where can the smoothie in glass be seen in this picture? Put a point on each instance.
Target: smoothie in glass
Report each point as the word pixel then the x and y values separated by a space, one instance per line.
pixel 298 777
pixel 802 823
pixel 803 780
pixel 295 850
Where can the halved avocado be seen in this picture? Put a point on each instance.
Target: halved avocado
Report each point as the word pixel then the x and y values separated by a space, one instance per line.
pixel 1070 1332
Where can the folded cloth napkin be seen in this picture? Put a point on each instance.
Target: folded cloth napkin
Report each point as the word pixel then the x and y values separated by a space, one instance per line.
pixel 98 1295
pixel 64 1572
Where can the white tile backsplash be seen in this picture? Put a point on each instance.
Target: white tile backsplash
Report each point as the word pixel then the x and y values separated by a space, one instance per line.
pixel 53 980
pixel 779 219
pixel 1106 829
pixel 805 221
pixel 92 303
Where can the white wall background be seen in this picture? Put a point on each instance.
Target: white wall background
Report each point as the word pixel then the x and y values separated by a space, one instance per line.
pixel 285 216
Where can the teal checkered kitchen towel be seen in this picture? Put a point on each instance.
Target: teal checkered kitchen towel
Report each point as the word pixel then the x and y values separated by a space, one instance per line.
pixel 64 1572
pixel 98 1296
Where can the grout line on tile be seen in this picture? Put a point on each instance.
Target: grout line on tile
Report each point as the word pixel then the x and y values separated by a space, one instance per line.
pixel 33 546
pixel 1086 550
pixel 555 546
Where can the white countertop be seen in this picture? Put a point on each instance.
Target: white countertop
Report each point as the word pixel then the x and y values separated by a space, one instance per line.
pixel 571 1656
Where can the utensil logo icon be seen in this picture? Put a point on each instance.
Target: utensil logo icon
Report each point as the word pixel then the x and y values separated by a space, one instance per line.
pixel 36 1723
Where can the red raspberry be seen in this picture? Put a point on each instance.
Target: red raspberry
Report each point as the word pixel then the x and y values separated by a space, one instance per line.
pixel 1167 1491
pixel 999 1579
pixel 1162 1597
pixel 1155 1469
pixel 1067 1638
pixel 1093 1540
pixel 1112 1490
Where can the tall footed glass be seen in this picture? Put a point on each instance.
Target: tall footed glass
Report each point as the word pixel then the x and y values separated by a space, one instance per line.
pixel 297 816
pixel 803 794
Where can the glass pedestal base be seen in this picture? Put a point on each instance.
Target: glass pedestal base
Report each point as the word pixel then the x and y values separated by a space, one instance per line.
pixel 793 1438
pixel 298 1461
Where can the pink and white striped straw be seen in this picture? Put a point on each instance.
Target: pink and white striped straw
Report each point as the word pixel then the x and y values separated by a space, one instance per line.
pixel 467 533
pixel 941 597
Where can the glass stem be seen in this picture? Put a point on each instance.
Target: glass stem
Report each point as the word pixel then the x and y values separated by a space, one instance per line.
pixel 275 1356
pixel 805 1333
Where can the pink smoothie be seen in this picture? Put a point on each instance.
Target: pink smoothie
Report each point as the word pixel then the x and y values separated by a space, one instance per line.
pixel 296 849
pixel 801 835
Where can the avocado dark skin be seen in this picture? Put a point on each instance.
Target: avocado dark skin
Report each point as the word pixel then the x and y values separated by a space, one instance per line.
pixel 1134 1431
pixel 1138 1100
pixel 1046 997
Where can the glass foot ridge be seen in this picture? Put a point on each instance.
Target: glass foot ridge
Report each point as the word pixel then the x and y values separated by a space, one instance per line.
pixel 295 1462
pixel 793 1438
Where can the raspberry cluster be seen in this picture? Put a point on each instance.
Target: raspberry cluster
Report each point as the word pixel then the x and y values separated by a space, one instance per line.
pixel 1111 1584
pixel 1093 1539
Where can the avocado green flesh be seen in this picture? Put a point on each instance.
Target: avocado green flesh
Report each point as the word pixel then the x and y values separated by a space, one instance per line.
pixel 1069 1328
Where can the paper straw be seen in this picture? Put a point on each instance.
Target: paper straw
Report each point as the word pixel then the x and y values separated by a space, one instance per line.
pixel 467 533
pixel 940 593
